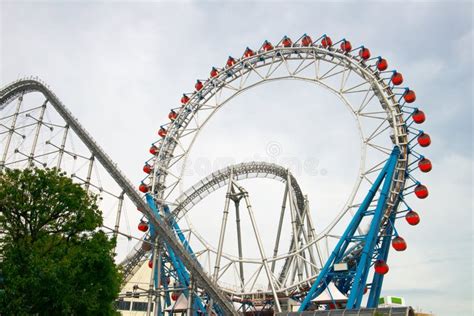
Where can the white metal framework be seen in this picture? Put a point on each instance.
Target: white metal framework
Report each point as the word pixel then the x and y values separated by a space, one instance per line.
pixel 365 91
pixel 44 133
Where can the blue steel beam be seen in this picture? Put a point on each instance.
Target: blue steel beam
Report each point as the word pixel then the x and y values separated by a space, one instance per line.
pixel 377 281
pixel 183 275
pixel 358 287
pixel 327 273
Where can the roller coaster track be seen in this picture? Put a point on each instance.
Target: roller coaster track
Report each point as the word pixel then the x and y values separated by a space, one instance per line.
pixel 211 183
pixel 20 87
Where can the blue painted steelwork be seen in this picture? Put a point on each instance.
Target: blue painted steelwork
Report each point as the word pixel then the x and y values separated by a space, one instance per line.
pixel 357 272
pixel 178 231
pixel 377 281
pixel 186 245
pixel 181 272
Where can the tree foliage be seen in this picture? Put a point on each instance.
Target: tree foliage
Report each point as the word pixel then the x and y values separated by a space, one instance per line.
pixel 55 260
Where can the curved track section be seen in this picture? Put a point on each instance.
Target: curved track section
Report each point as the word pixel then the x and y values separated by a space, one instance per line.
pixel 212 183
pixel 220 178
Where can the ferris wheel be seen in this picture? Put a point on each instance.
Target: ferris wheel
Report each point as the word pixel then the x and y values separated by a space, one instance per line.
pixel 199 271
pixel 387 126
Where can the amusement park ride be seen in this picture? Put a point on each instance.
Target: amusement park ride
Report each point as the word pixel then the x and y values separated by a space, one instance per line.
pixel 345 262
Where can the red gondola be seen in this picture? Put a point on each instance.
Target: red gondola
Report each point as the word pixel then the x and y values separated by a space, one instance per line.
pixel 230 61
pixel 143 188
pixel 248 53
pixel 326 42
pixel 142 226
pixel 198 86
pixel 364 53
pixel 424 140
pixel 425 165
pixel 162 132
pixel 184 99
pixel 421 191
pixel 409 96
pixel 418 116
pixel 153 150
pixel 147 168
pixel 214 72
pixel 267 46
pixel 382 64
pixel 175 296
pixel 412 218
pixel 306 40
pixel 381 267
pixel 346 46
pixel 173 115
pixel 399 244
pixel 286 42
pixel 397 78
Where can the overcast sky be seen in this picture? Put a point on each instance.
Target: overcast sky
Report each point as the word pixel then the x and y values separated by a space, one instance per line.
pixel 120 67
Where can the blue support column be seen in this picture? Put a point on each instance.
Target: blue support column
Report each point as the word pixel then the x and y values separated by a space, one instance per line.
pixel 178 231
pixel 327 273
pixel 377 281
pixel 183 275
pixel 358 286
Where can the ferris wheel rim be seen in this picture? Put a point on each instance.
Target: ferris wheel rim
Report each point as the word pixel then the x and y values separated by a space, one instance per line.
pixel 352 60
pixel 390 108
pixel 168 137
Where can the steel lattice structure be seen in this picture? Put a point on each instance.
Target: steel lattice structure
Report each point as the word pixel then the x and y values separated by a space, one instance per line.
pixel 180 256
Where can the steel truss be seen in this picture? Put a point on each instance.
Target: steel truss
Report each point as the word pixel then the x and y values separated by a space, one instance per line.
pixel 354 275
pixel 370 94
pixel 19 88
pixel 385 123
pixel 302 253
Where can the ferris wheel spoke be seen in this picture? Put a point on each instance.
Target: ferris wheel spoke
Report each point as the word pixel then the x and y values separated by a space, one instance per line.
pixel 309 63
pixel 228 86
pixel 382 149
pixel 270 66
pixel 366 100
pixel 344 78
pixel 189 131
pixel 329 73
pixel 371 116
pixel 299 68
pixel 376 167
pixel 243 79
pixel 353 90
pixel 381 128
pixel 312 232
pixel 254 69
pixel 280 62
pixel 317 66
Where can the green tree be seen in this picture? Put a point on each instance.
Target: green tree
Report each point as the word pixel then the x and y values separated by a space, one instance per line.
pixel 54 259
